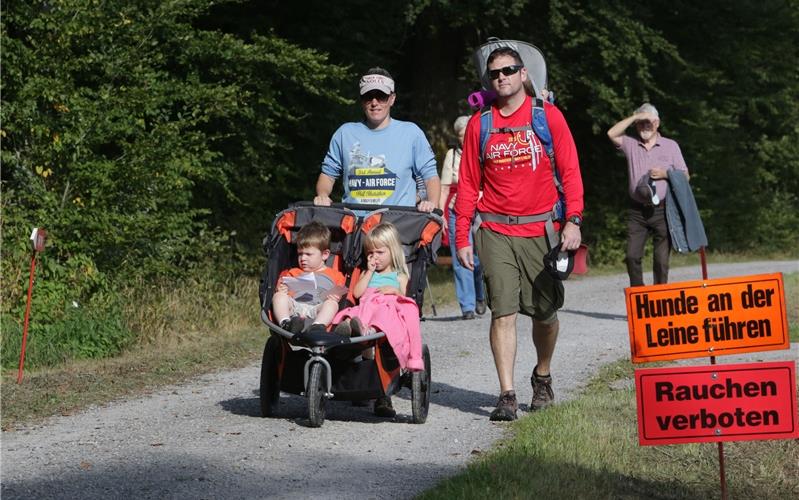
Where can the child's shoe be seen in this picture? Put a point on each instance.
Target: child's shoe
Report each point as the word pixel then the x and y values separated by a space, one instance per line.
pixel 384 408
pixel 344 329
pixel 317 328
pixel 296 324
pixel 356 327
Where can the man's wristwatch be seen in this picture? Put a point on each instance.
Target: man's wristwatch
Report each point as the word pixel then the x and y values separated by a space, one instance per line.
pixel 576 220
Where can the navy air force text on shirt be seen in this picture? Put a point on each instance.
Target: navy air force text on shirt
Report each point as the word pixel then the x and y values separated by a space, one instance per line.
pixel 522 149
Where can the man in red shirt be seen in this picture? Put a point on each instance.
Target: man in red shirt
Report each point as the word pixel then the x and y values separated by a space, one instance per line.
pixel 518 186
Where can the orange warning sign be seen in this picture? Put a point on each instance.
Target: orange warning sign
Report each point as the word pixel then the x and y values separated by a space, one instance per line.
pixel 692 319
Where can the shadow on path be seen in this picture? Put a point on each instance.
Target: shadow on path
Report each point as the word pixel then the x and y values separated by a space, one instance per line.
pixel 296 407
pixel 596 315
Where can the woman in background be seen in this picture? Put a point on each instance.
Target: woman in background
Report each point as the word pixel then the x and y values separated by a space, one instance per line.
pixel 468 284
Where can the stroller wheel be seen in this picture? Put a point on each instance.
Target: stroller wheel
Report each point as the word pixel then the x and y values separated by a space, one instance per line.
pixel 420 389
pixel 270 379
pixel 316 395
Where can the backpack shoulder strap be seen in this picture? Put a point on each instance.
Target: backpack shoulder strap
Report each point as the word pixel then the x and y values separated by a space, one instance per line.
pixel 541 129
pixel 486 123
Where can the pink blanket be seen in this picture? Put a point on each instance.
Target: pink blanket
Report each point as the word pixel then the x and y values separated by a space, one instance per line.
pixel 398 317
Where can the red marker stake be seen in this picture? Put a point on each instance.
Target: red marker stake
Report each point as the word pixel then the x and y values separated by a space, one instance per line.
pixel 27 318
pixel 38 238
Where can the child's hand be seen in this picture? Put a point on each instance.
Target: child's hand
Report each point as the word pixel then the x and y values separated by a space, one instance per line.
pixel 334 297
pixel 282 288
pixel 371 262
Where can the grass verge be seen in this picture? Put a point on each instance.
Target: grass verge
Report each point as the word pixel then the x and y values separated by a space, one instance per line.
pixel 71 387
pixel 791 282
pixel 183 331
pixel 588 448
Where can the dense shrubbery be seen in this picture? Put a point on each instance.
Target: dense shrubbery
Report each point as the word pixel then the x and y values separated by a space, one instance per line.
pixel 128 133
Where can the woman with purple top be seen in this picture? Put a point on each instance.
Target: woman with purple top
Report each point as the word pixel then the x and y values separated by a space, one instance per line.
pixel 468 284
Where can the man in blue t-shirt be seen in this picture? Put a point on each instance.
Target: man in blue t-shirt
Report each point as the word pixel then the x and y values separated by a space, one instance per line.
pixel 380 158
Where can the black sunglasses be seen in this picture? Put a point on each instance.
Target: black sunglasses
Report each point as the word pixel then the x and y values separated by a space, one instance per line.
pixel 374 94
pixel 507 71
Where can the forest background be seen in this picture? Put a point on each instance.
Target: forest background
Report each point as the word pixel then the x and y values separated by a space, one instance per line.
pixel 156 140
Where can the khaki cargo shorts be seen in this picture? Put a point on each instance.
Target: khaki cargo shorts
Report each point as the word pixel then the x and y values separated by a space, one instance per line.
pixel 513 268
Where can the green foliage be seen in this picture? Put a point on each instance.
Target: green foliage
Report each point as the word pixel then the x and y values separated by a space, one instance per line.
pixel 77 331
pixel 142 143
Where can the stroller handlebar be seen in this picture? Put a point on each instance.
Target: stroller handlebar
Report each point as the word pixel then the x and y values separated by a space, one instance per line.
pixel 358 206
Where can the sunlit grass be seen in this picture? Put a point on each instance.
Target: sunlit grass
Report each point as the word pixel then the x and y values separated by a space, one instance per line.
pixel 442 288
pixel 791 282
pixel 167 315
pixel 588 448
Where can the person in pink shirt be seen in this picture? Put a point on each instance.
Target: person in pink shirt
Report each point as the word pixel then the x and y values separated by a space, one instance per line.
pixel 649 158
pixel 517 179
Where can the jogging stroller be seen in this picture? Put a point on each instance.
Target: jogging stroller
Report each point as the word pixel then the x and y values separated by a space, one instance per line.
pixel 329 366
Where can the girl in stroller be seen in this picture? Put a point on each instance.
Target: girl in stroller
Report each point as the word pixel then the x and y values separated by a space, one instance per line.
pixel 383 305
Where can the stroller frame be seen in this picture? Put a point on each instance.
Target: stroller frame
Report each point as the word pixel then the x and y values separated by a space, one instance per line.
pixel 324 366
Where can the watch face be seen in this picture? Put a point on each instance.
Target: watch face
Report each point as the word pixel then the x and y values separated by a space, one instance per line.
pixel 576 220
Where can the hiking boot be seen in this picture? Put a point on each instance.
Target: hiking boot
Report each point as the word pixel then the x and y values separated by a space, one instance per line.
pixel 384 408
pixel 542 391
pixel 468 315
pixel 480 307
pixel 344 329
pixel 506 407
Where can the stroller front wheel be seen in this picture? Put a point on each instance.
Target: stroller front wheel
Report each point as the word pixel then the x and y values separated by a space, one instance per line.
pixel 316 395
pixel 270 379
pixel 420 389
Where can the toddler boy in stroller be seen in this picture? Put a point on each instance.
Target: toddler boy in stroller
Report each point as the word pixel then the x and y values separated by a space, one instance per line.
pixel 311 291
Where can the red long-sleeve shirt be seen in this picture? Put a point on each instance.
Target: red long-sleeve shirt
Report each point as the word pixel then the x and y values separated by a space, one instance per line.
pixel 517 175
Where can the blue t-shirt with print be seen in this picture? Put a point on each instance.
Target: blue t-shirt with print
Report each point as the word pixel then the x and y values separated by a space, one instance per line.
pixel 379 167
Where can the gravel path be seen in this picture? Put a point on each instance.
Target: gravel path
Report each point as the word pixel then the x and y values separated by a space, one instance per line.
pixel 205 438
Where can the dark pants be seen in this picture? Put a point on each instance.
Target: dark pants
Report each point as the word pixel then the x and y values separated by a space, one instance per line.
pixel 641 222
